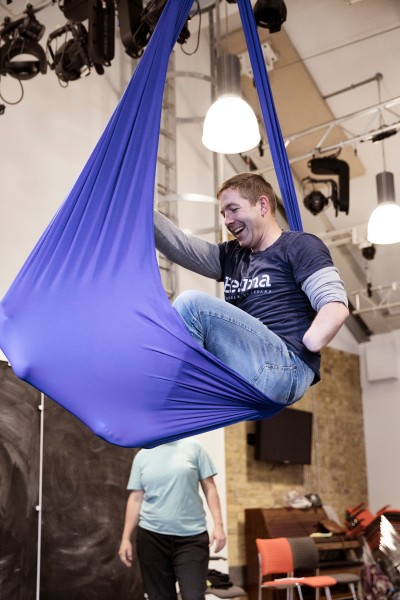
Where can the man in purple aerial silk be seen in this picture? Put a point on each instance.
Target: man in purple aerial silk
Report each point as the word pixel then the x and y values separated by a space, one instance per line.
pixel 87 320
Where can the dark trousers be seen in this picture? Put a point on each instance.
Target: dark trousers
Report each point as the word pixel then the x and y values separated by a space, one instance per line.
pixel 167 559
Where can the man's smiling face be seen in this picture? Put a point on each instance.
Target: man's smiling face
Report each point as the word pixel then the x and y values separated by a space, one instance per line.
pixel 244 220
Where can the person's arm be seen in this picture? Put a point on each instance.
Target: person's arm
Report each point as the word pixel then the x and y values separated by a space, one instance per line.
pixel 325 326
pixel 131 520
pixel 218 536
pixel 188 251
pixel 328 298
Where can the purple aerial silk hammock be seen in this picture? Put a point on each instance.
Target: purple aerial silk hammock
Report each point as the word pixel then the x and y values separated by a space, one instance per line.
pixel 87 320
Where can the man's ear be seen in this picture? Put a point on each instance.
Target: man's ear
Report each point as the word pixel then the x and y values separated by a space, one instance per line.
pixel 264 205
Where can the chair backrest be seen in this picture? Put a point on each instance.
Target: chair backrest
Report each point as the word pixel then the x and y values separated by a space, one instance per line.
pixel 275 556
pixel 304 553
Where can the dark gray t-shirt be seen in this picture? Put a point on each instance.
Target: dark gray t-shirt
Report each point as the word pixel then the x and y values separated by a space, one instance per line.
pixel 267 285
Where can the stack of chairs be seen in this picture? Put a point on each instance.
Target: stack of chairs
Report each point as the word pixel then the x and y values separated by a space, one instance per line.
pixel 372 531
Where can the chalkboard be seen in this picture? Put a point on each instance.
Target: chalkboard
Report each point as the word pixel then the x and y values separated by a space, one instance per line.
pixel 19 475
pixel 84 499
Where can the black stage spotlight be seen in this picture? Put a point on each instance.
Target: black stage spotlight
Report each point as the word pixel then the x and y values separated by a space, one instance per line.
pixel 71 60
pixel 101 31
pixel 75 10
pixel 137 24
pixel 315 201
pixel 368 252
pixel 270 14
pixel 331 165
pixel 27 26
pixel 22 59
pixel 21 56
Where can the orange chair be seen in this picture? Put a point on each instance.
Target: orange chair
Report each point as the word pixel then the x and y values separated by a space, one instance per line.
pixel 275 558
pixel 305 557
pixel 278 556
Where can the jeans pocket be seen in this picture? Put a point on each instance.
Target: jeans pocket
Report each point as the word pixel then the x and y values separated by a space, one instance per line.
pixel 278 383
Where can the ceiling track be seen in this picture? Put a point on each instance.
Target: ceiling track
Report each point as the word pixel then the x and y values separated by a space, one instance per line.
pixel 376 114
pixel 386 303
pixel 370 298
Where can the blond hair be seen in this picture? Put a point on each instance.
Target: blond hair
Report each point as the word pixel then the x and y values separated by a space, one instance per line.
pixel 250 186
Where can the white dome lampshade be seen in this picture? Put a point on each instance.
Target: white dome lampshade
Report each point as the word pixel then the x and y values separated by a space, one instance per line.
pixel 384 221
pixel 230 126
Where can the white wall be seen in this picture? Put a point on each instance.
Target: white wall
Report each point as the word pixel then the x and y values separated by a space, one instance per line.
pixel 45 141
pixel 381 404
pixel 345 341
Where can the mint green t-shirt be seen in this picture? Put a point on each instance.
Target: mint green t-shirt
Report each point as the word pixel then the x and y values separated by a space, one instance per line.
pixel 169 475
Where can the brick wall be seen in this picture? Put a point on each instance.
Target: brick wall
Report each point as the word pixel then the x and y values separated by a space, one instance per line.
pixel 338 469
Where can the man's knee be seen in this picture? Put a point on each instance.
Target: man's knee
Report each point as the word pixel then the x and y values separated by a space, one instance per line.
pixel 187 300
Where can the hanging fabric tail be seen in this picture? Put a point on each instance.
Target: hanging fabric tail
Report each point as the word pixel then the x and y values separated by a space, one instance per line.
pixel 275 139
pixel 87 320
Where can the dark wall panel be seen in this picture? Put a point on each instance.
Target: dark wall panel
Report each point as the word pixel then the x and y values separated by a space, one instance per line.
pixel 84 499
pixel 19 473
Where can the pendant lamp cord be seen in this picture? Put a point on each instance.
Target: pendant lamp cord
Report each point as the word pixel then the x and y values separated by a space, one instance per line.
pixel 381 122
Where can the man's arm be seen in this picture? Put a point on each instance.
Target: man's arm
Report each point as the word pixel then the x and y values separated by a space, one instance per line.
pixel 131 520
pixel 328 298
pixel 188 251
pixel 325 326
pixel 211 494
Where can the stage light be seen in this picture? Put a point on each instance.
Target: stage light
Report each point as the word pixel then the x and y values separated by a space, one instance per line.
pixel 330 165
pixel 270 14
pixel 22 59
pixel 71 60
pixel 21 56
pixel 101 33
pixel 137 24
pixel 314 200
pixel 368 252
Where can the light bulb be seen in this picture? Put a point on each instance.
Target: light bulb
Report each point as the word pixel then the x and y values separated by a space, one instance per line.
pixel 384 224
pixel 230 126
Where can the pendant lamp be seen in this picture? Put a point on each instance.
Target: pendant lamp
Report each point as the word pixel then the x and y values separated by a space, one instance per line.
pixel 384 222
pixel 230 126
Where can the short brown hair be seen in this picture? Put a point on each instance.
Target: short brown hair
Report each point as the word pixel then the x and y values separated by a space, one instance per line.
pixel 251 186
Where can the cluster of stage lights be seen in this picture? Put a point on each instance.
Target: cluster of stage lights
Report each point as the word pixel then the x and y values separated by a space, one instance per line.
pixel 86 41
pixel 22 56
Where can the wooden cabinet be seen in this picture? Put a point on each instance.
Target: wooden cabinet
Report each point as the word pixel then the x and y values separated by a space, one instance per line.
pixel 336 553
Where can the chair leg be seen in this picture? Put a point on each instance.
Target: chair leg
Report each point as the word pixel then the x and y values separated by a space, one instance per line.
pixel 328 593
pixel 353 591
pixel 299 591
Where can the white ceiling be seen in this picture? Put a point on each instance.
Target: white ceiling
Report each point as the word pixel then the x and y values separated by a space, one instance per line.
pixel 342 43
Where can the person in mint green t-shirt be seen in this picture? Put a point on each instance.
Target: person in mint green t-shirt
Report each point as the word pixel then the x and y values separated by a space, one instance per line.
pixel 166 511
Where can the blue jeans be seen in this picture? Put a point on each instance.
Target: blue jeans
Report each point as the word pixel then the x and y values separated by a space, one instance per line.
pixel 246 345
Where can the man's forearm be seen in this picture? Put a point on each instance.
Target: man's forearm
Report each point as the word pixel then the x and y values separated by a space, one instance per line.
pixel 325 326
pixel 188 251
